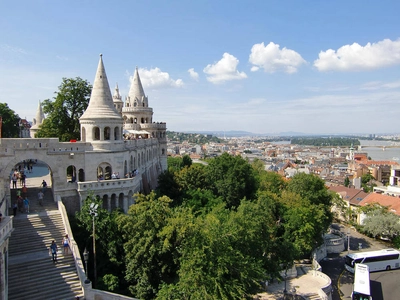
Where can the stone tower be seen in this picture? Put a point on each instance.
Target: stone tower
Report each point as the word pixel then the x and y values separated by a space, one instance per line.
pixel 37 121
pixel 101 124
pixel 117 99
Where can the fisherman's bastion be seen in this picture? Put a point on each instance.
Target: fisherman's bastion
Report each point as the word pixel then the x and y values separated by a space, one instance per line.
pixel 121 152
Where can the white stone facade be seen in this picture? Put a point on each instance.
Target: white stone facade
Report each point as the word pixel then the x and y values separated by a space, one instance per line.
pixel 76 167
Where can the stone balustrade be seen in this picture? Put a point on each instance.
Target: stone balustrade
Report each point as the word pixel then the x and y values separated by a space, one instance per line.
pixel 102 185
pixel 6 227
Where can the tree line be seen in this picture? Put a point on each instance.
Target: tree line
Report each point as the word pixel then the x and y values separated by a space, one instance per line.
pixel 213 231
pixel 325 141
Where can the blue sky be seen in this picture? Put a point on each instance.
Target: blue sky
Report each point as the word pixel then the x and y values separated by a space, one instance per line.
pixel 260 66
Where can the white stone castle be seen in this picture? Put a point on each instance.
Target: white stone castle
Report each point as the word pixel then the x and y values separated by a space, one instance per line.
pixel 121 151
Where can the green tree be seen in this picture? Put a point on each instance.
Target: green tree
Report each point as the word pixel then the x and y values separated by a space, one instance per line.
pixel 346 181
pixel 109 243
pixel 222 255
pixel 10 122
pixel 232 178
pixel 380 222
pixel 70 102
pixel 367 182
pixel 148 262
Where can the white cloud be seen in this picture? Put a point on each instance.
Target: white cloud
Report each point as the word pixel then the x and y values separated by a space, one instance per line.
pixel 193 74
pixel 155 78
pixel 356 57
pixel 272 59
pixel 224 70
pixel 376 85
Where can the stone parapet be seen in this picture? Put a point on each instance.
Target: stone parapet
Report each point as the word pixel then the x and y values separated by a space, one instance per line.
pixel 117 184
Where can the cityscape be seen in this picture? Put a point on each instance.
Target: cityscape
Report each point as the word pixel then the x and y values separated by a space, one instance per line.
pixel 199 150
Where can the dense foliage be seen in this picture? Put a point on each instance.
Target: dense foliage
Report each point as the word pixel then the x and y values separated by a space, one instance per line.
pixel 325 141
pixel 9 122
pixel 211 231
pixel 62 114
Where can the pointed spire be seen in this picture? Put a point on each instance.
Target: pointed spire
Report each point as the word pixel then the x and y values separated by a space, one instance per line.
pixel 39 115
pixel 101 102
pixel 117 95
pixel 136 90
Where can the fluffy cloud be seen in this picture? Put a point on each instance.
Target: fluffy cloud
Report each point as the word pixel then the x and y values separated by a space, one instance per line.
pixel 224 70
pixel 272 59
pixel 155 78
pixel 193 74
pixel 356 57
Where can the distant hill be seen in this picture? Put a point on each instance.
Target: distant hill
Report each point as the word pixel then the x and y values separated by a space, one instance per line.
pixel 238 133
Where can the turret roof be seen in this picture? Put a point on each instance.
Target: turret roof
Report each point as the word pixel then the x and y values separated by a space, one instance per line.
pixel 101 103
pixel 136 90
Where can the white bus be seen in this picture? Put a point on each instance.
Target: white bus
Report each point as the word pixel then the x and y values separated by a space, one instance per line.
pixel 361 287
pixel 379 260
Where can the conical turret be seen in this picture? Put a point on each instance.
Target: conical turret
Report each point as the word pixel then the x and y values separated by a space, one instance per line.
pixel 37 121
pixel 101 102
pixel 136 90
pixel 101 122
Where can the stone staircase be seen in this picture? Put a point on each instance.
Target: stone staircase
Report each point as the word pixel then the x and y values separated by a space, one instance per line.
pixel 32 273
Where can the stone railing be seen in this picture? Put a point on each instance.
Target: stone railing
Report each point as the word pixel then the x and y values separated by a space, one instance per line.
pixel 6 227
pixel 324 292
pixel 52 145
pixel 107 184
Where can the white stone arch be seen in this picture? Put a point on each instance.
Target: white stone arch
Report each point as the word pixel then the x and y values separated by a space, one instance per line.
pixel 104 169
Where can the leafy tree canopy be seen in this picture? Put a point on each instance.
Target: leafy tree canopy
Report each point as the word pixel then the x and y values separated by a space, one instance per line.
pixel 10 122
pixel 70 102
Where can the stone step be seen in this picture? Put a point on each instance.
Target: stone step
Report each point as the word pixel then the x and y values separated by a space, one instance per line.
pixel 32 273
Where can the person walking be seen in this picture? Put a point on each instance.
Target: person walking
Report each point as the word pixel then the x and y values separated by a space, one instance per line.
pixel 14 180
pixel 40 197
pixel 26 205
pixel 44 186
pixel 15 207
pixel 53 249
pixel 66 244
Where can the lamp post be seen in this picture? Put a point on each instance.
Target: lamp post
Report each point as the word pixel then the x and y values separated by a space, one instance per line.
pixel 348 240
pixel 86 258
pixel 93 212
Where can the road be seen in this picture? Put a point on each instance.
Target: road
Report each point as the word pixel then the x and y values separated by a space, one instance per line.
pixel 384 285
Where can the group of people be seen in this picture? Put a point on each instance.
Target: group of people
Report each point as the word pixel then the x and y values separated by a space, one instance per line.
pixel 54 248
pixel 22 202
pixel 18 176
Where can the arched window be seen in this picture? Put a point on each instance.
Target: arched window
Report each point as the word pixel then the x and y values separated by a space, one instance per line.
pixel 135 121
pixel 105 202
pixel 126 167
pixel 121 201
pixel 107 133
pixel 71 173
pixel 113 202
pixel 81 176
pixel 96 133
pixel 116 133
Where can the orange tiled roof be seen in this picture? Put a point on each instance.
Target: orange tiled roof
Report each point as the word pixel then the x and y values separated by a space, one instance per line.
pixel 384 200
